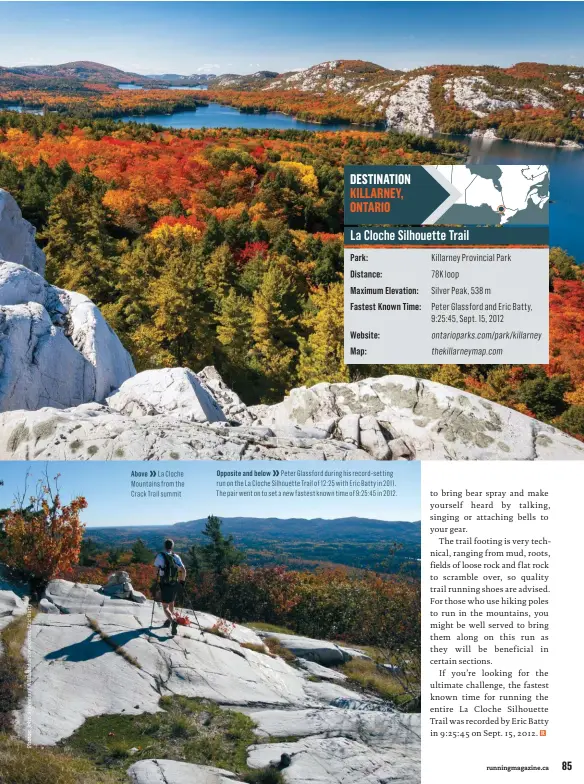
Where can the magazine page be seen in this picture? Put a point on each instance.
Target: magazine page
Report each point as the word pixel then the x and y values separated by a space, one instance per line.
pixel 291 392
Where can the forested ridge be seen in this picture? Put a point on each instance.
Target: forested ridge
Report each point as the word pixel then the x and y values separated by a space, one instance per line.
pixel 223 247
pixel 535 102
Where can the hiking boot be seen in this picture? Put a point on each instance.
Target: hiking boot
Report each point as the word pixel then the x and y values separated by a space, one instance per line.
pixel 166 624
pixel 173 628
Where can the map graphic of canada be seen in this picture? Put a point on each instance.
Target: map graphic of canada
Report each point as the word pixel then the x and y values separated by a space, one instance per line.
pixel 516 194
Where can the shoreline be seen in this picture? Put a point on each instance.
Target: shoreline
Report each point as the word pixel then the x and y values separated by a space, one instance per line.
pixel 566 144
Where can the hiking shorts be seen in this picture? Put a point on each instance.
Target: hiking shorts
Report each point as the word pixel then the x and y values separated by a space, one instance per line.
pixel 168 592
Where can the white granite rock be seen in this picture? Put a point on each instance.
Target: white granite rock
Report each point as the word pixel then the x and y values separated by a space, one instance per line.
pixel 340 761
pixel 56 349
pixel 119 586
pixel 382 729
pixel 318 671
pixel 161 771
pixel 77 675
pixel 319 651
pixel 20 285
pixel 93 337
pixel 372 439
pixel 229 401
pixel 17 236
pixel 388 418
pixel 73 663
pixel 409 110
pixel 95 432
pixel 80 598
pixel 175 391
pixel 348 428
pixel 426 420
pixel 39 366
pixel 478 95
pixel 13 598
pixel 117 579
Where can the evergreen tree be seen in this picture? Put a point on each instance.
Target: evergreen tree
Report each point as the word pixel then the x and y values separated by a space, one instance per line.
pixel 214 236
pixel 219 554
pixel 322 353
pixel 81 254
pixel 234 326
pixel 272 329
pixel 210 564
pixel 140 553
pixel 220 271
pixel 88 552
pixel 115 556
pixel 177 324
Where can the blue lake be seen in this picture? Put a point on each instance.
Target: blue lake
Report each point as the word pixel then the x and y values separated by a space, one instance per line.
pixel 22 109
pixel 130 86
pixel 215 115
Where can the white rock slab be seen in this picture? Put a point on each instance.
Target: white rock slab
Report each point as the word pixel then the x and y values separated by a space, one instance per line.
pixel 318 671
pixel 175 391
pixel 429 420
pixel 160 771
pixel 93 337
pixel 56 349
pixel 320 651
pixel 81 598
pixel 339 761
pixel 19 285
pixel 409 109
pixel 382 730
pixel 39 366
pixel 17 236
pixel 77 674
pixel 94 432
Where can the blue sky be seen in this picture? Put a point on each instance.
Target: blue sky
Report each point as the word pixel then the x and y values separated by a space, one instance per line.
pixel 106 486
pixel 221 37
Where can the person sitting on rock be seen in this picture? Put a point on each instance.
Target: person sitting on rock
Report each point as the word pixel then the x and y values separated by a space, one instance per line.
pixel 171 575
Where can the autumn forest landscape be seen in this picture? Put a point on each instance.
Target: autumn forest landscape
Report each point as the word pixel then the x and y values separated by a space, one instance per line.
pixel 222 246
pixel 172 311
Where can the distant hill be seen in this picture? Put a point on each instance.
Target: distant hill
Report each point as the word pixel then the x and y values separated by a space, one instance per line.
pixel 357 529
pixel 444 98
pixel 79 71
pixel 179 79
pixel 358 542
pixel 531 101
pixel 254 81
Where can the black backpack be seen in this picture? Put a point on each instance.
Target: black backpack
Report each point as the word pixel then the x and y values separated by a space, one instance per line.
pixel 170 572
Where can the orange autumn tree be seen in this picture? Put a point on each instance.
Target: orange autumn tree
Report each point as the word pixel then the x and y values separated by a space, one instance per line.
pixel 43 537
